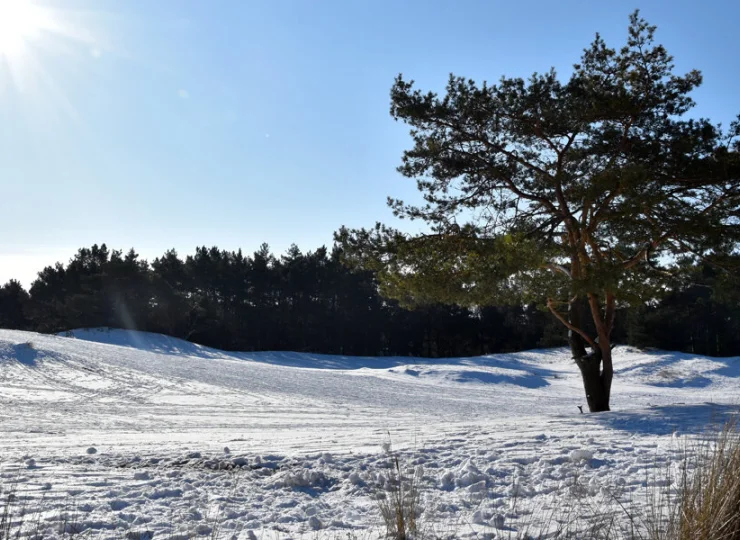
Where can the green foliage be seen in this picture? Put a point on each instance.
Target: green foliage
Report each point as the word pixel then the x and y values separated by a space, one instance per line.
pixel 552 189
pixel 447 268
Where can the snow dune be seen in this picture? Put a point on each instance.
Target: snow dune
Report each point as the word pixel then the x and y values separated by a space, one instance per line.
pixel 136 431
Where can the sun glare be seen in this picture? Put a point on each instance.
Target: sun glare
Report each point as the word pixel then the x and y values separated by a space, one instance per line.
pixel 19 21
pixel 37 39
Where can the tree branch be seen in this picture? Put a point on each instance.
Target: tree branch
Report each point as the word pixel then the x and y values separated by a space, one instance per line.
pixel 561 269
pixel 601 328
pixel 610 312
pixel 569 326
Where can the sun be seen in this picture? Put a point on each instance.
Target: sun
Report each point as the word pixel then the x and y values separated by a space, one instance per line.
pixel 20 21
pixel 36 37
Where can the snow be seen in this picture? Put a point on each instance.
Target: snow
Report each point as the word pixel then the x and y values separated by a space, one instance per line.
pixel 138 434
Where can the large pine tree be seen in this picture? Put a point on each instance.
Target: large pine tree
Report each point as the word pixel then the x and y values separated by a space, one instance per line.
pixel 579 194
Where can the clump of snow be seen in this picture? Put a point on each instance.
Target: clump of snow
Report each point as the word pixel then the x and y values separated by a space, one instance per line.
pixel 581 454
pixel 468 474
pixel 519 489
pixel 481 516
pixel 118 504
pixel 314 523
pixel 447 480
pixel 301 478
pixel 477 487
pixel 165 493
pixel 355 479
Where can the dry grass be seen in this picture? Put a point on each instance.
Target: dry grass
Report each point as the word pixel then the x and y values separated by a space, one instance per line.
pixel 707 502
pixel 400 503
pixel 17 519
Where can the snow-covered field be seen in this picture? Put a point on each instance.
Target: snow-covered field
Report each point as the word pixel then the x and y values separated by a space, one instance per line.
pixel 129 432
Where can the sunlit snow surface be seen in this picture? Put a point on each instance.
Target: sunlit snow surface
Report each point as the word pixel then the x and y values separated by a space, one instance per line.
pixel 124 431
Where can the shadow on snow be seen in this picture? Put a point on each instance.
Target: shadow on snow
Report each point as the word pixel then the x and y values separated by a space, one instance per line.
pixel 681 370
pixel 497 369
pixel 694 418
pixel 25 353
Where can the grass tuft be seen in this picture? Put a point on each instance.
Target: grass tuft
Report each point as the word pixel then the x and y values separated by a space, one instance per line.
pixel 707 502
pixel 400 503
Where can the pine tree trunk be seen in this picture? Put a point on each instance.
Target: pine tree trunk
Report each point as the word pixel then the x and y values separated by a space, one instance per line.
pixel 596 381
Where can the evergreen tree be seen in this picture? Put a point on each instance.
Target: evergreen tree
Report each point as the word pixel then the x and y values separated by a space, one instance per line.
pixel 569 193
pixel 698 315
pixel 264 298
pixel 126 290
pixel 14 306
pixel 48 297
pixel 85 303
pixel 169 311
pixel 205 270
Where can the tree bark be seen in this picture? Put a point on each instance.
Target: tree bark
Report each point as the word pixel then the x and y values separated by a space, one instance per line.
pixel 596 381
pixel 575 316
pixel 596 385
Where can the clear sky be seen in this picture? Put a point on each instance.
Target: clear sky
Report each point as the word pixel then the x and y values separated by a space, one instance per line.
pixel 176 123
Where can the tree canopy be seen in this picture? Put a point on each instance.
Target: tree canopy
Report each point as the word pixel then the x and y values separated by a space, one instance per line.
pixel 301 301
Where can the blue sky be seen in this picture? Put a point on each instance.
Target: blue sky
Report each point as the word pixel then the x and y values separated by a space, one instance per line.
pixel 174 123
